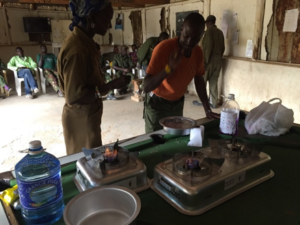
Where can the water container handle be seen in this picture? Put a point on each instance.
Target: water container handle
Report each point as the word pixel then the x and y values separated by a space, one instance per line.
pixel 273 99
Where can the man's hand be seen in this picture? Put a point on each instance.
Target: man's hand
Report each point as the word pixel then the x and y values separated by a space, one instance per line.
pixel 121 82
pixel 125 70
pixel 175 59
pixel 212 115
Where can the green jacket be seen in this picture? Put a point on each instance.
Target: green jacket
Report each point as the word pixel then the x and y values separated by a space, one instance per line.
pixel 49 61
pixel 2 65
pixel 123 61
pixel 16 62
pixel 213 44
pixel 145 51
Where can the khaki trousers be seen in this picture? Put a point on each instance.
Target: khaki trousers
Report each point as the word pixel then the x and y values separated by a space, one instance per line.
pixel 81 126
pixel 212 73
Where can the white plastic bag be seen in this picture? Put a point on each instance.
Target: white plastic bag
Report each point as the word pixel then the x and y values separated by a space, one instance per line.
pixel 269 119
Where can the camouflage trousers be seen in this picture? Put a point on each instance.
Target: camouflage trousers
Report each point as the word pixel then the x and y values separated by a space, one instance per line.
pixel 129 86
pixel 2 81
pixel 52 77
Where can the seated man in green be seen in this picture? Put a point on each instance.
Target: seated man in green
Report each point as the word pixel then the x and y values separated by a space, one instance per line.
pixel 123 65
pixel 103 68
pixel 2 80
pixel 24 65
pixel 48 63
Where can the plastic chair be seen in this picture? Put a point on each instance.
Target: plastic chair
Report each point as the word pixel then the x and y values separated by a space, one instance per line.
pixel 5 78
pixel 44 81
pixel 18 81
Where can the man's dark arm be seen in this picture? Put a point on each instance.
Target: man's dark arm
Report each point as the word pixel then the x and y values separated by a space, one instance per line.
pixel 125 70
pixel 201 91
pixel 152 82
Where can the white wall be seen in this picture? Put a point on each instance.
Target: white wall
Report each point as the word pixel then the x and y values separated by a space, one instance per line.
pixel 254 82
pixel 245 10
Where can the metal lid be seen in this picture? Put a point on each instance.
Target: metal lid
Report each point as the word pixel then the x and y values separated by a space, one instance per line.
pixel 177 122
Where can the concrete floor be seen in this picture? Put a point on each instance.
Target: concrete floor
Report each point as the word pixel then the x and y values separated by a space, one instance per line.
pixel 23 120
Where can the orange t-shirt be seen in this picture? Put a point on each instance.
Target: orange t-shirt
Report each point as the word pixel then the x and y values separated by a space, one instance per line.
pixel 174 86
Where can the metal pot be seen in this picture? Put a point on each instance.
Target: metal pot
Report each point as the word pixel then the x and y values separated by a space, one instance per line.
pixel 104 205
pixel 177 125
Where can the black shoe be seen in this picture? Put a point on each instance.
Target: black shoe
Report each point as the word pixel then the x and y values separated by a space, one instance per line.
pixel 197 103
pixel 111 97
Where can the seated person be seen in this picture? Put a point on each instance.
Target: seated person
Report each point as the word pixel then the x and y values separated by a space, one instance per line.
pixel 123 65
pixel 110 55
pixel 25 69
pixel 2 80
pixel 133 55
pixel 104 67
pixel 48 63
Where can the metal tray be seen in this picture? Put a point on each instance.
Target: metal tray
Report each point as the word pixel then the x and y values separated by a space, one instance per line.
pixel 177 125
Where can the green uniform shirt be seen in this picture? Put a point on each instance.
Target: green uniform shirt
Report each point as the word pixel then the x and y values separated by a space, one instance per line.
pixel 145 51
pixel 49 61
pixel 16 62
pixel 122 61
pixel 213 44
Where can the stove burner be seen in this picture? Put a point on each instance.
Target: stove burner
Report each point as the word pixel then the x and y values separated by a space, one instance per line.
pixel 238 150
pixel 110 160
pixel 110 156
pixel 192 165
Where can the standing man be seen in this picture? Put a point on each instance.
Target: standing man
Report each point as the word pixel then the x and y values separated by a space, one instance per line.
pixel 213 48
pixel 174 63
pixel 25 69
pixel 145 51
pixel 80 77
pixel 123 64
pixel 47 61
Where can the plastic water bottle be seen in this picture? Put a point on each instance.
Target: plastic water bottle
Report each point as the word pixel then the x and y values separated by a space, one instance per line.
pixel 39 184
pixel 229 116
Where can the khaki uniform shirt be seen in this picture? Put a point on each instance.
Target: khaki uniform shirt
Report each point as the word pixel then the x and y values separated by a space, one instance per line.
pixel 123 61
pixel 145 51
pixel 213 44
pixel 78 68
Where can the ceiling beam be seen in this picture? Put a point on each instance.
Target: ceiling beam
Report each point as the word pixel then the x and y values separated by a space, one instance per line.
pixel 153 2
pixel 116 3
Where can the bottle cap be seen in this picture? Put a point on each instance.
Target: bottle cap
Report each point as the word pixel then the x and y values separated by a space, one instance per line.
pixel 231 96
pixel 35 146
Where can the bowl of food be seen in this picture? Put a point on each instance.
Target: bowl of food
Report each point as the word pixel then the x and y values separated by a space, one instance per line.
pixel 177 125
pixel 105 205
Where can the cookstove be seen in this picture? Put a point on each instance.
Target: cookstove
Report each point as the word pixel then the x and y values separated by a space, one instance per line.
pixel 106 166
pixel 195 182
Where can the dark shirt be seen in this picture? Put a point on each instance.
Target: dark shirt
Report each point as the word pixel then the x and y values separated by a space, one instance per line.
pixel 49 61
